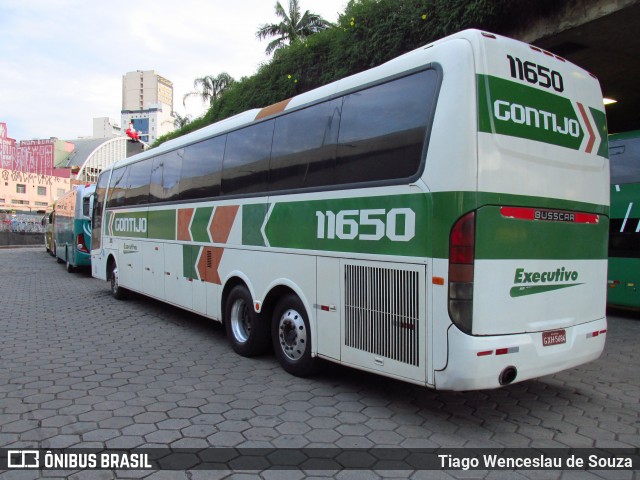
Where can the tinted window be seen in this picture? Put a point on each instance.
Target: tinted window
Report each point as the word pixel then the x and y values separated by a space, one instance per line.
pixel 116 188
pixel 382 129
pixel 202 168
pixel 96 222
pixel 624 161
pixel 137 183
pixel 165 176
pixel 86 206
pixel 246 159
pixel 304 147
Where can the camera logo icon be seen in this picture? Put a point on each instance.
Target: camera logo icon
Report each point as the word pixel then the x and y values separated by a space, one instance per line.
pixel 23 459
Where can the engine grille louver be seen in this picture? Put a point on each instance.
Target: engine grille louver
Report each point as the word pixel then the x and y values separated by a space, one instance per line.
pixel 382 312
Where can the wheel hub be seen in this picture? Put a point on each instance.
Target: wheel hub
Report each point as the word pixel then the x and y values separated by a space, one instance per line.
pixel 293 334
pixel 240 324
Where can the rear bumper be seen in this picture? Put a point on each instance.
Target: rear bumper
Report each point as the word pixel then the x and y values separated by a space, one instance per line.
pixel 466 370
pixel 82 259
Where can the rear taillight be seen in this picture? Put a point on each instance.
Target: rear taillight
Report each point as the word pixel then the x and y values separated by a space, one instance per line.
pixel 80 243
pixel 462 243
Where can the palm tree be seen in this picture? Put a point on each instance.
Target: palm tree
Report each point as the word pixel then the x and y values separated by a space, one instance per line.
pixel 293 26
pixel 179 121
pixel 209 88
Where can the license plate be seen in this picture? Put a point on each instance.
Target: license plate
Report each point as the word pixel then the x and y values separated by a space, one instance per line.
pixel 554 337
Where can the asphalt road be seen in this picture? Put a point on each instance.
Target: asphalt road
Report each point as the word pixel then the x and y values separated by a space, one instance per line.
pixel 80 369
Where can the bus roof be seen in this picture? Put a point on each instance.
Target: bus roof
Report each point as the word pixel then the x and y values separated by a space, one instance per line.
pixel 397 66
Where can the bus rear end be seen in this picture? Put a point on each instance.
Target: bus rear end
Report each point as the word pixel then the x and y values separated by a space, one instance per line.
pixel 528 265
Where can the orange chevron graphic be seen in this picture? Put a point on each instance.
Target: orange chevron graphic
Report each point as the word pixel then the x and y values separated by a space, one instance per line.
pixel 208 264
pixel 222 222
pixel 184 220
pixel 592 135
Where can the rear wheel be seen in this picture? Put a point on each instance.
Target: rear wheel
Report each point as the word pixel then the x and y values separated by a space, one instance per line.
pixel 117 291
pixel 70 267
pixel 248 334
pixel 292 337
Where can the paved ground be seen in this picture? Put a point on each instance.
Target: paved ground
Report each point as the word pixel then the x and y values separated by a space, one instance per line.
pixel 80 369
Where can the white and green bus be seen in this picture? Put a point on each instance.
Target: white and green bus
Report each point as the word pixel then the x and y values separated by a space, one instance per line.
pixel 440 219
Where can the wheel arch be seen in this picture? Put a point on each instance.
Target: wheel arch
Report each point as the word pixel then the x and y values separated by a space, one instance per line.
pixel 111 260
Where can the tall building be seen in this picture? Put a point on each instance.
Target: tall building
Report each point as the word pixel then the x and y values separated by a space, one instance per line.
pixel 105 127
pixel 147 101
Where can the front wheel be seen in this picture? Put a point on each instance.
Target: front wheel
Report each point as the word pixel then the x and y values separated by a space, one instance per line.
pixel 292 337
pixel 118 292
pixel 248 334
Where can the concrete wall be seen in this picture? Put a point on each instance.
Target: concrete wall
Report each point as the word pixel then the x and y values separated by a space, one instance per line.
pixel 574 14
pixel 21 239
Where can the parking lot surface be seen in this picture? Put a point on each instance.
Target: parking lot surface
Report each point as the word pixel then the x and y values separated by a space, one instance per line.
pixel 80 369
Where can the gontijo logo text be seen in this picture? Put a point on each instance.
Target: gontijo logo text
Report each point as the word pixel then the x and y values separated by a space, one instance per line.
pixel 531 283
pixel 533 104
pixel 127 224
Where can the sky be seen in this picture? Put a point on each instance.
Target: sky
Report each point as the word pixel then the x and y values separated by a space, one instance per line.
pixel 62 61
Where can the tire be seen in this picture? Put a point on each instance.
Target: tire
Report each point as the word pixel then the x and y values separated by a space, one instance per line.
pixel 118 292
pixel 291 336
pixel 70 268
pixel 247 332
pixel 55 254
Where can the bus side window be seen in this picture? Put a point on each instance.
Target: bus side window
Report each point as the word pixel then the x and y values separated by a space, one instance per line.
pixel 202 169
pixel 246 159
pixel 165 177
pixel 116 190
pixel 383 128
pixel 137 183
pixel 304 147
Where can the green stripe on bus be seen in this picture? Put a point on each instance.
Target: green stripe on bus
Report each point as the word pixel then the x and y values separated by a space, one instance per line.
pixel 162 224
pixel 414 225
pixel 387 225
pixel 498 237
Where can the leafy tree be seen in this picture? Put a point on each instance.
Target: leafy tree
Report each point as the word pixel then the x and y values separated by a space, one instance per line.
pixel 294 26
pixel 209 88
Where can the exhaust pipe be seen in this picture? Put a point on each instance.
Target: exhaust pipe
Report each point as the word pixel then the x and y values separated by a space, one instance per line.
pixel 508 375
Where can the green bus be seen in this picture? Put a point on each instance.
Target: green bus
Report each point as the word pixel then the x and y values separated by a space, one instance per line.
pixel 624 235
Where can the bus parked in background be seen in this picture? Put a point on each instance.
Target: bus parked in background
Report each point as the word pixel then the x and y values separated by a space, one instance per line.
pixel 72 227
pixel 440 219
pixel 624 235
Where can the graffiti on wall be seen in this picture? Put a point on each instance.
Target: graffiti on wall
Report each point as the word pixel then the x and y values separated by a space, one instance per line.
pixel 25 177
pixel 22 223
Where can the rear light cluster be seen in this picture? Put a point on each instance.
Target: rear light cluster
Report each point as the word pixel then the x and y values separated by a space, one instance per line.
pixel 81 244
pixel 461 257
